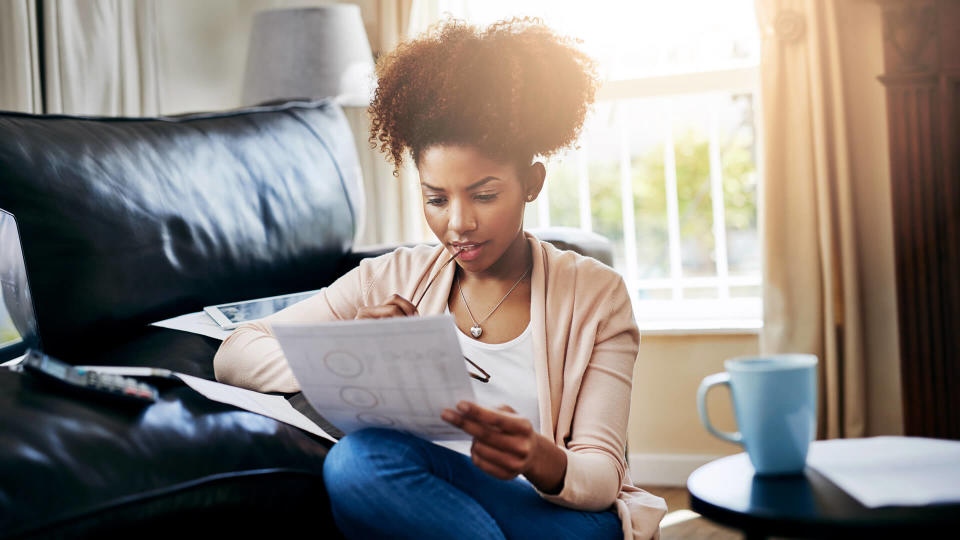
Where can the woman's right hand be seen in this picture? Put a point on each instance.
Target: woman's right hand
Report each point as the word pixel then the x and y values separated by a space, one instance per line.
pixel 396 306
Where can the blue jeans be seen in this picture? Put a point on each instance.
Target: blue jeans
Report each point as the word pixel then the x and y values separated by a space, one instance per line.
pixel 388 484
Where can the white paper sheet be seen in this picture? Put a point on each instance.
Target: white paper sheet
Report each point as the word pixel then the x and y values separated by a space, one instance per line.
pixel 891 471
pixel 399 373
pixel 276 407
pixel 195 323
pixel 14 362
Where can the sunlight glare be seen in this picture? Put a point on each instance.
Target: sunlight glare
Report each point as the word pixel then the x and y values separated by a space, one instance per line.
pixel 639 38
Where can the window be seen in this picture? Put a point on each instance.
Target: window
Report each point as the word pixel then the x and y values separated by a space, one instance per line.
pixel 668 166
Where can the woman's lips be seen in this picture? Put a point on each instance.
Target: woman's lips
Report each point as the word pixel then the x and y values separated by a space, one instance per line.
pixel 468 252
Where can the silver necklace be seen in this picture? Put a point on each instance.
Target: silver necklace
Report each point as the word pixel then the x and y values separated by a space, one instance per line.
pixel 475 330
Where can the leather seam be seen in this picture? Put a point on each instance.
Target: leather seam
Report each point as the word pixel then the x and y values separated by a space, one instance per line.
pixel 336 165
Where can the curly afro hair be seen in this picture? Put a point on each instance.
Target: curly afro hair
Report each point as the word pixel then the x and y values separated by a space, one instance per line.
pixel 516 90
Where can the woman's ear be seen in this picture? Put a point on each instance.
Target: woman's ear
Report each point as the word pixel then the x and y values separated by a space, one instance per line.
pixel 533 181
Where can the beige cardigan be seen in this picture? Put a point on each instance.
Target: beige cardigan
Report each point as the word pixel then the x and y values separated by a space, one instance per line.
pixel 585 344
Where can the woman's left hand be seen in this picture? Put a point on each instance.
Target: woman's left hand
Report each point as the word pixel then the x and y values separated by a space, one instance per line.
pixel 506 445
pixel 503 442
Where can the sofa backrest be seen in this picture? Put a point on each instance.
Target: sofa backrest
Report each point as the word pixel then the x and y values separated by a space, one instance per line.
pixel 125 221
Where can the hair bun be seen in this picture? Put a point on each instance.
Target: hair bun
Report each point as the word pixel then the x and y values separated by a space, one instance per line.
pixel 515 89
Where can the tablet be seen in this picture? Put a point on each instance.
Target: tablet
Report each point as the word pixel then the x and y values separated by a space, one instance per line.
pixel 18 321
pixel 232 314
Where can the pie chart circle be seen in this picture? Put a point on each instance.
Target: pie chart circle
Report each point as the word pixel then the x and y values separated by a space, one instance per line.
pixel 358 397
pixel 343 364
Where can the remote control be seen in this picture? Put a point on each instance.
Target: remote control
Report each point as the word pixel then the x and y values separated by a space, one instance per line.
pixel 89 382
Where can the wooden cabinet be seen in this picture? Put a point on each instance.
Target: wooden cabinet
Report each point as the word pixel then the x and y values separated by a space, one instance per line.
pixel 922 81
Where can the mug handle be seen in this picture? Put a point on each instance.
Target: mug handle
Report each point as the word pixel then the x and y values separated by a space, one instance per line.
pixel 708 382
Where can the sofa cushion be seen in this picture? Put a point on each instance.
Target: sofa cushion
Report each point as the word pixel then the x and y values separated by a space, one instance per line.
pixel 129 220
pixel 75 467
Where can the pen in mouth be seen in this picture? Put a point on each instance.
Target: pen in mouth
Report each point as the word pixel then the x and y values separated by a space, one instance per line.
pixel 469 252
pixel 450 260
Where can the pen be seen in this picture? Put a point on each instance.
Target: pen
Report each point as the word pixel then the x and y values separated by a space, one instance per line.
pixel 455 255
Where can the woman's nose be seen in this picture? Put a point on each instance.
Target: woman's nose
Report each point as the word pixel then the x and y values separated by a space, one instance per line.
pixel 462 217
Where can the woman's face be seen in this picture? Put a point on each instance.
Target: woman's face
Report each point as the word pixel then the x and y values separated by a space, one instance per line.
pixel 473 202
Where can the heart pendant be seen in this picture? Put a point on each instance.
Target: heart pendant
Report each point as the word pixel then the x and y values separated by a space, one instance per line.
pixel 475 331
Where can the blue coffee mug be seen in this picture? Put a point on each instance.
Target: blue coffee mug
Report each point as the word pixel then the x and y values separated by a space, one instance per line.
pixel 775 404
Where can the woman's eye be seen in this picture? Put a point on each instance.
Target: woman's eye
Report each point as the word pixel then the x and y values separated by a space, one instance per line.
pixel 436 201
pixel 486 196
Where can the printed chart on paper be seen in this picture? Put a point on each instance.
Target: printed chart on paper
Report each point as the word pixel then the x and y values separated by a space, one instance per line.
pixel 398 373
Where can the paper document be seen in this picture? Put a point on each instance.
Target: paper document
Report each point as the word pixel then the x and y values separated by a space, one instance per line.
pixel 891 471
pixel 276 407
pixel 398 373
pixel 14 362
pixel 195 323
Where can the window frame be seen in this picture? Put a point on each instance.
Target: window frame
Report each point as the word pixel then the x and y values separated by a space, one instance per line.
pixel 679 315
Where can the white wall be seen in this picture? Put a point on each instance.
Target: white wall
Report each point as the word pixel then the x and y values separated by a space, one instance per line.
pixel 203 50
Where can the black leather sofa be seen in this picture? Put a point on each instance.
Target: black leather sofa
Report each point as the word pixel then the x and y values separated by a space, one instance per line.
pixel 125 221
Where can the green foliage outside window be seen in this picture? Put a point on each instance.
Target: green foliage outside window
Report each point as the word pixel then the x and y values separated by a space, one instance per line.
pixel 7 331
pixel 692 157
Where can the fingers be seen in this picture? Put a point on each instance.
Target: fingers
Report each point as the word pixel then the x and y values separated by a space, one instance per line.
pixel 380 312
pixel 405 305
pixel 505 419
pixel 395 306
pixel 490 467
pixel 504 461
pixel 518 445
pixel 503 443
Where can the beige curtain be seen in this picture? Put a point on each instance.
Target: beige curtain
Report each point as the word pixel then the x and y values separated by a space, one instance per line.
pixel 811 301
pixel 393 208
pixel 101 57
pixel 19 58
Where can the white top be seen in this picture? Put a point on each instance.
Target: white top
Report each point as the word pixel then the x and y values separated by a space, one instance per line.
pixel 512 382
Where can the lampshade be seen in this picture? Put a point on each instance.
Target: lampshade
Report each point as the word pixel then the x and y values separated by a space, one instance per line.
pixel 309 52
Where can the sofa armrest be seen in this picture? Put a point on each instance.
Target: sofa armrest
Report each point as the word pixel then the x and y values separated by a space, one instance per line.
pixel 583 242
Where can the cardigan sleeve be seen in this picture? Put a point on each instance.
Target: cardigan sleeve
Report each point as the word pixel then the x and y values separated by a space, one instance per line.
pixel 596 465
pixel 251 356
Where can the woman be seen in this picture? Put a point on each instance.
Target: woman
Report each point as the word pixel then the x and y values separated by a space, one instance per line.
pixel 554 330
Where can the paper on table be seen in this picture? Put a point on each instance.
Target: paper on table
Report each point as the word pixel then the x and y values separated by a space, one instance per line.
pixel 399 373
pixel 891 471
pixel 276 407
pixel 195 323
